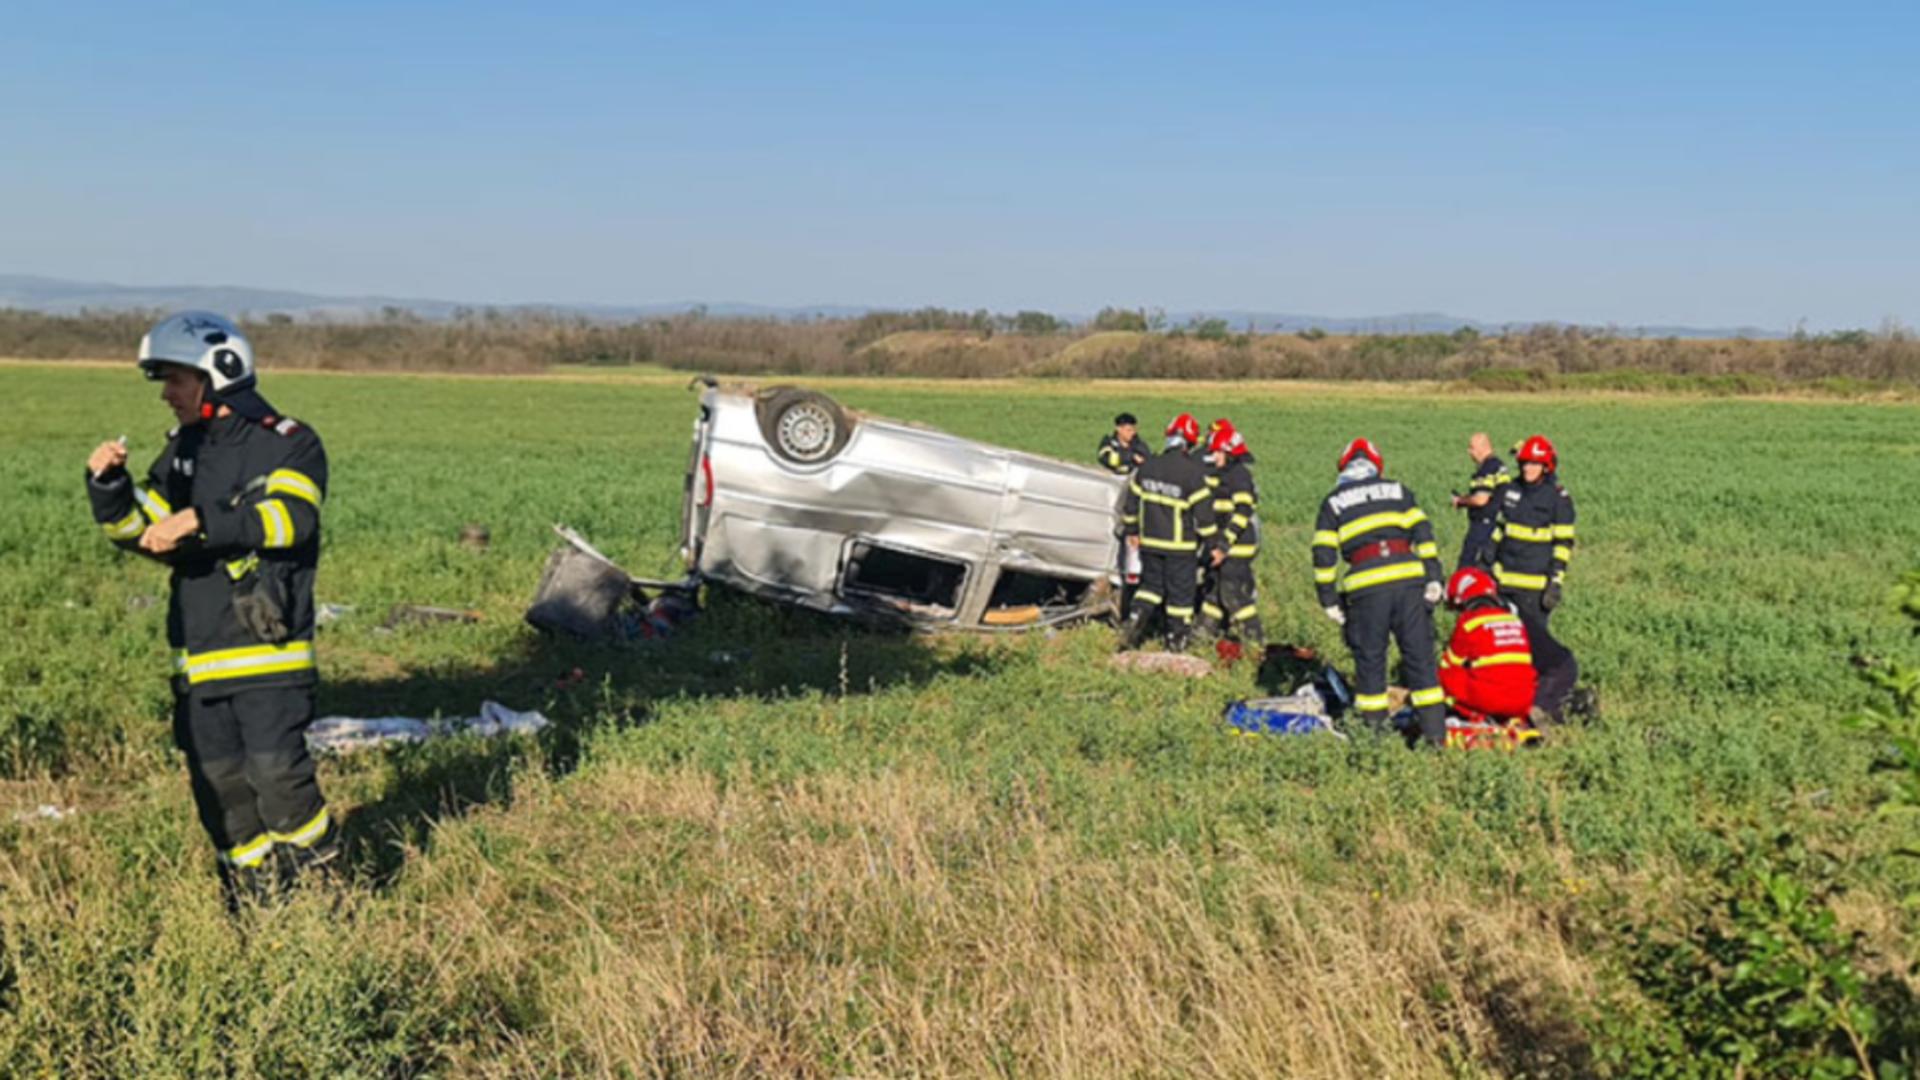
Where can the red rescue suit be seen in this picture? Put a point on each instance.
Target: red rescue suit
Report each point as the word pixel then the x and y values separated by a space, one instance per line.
pixel 1488 667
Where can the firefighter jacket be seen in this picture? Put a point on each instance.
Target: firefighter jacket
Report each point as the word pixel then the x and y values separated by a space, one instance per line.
pixel 1377 528
pixel 1533 536
pixel 1488 478
pixel 1119 458
pixel 1169 505
pixel 1488 665
pixel 1236 506
pixel 257 487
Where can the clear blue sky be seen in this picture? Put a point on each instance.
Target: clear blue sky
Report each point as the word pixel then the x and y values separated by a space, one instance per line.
pixel 1631 163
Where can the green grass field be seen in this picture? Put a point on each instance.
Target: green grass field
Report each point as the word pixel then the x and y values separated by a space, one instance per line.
pixel 836 852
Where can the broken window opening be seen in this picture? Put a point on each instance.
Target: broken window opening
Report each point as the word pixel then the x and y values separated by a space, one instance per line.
pixel 902 577
pixel 1027 588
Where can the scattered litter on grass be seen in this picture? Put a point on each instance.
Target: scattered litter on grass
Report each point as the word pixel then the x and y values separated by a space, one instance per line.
pixel 1162 663
pixel 141 602
pixel 328 614
pixel 347 734
pixel 475 536
pixel 422 614
pixel 45 812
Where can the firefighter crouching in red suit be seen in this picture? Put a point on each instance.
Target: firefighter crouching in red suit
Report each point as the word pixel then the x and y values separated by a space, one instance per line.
pixel 1487 670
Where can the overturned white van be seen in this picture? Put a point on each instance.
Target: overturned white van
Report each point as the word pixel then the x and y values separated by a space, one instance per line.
pixel 791 497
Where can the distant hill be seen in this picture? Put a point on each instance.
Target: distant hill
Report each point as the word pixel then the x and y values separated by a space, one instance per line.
pixel 58 296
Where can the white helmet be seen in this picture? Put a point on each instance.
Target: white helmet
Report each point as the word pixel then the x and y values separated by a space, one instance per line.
pixel 205 342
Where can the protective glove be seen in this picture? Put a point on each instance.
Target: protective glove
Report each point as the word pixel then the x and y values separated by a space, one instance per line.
pixel 1551 598
pixel 1433 594
pixel 1337 614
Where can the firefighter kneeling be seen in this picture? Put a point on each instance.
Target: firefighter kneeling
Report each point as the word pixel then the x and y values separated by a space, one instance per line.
pixel 1487 671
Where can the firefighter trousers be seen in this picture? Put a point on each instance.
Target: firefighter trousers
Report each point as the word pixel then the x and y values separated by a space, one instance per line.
pixel 1398 612
pixel 253 780
pixel 1479 539
pixel 1167 581
pixel 1556 665
pixel 1232 602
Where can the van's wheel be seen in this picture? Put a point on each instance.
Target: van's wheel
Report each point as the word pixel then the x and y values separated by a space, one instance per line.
pixel 804 427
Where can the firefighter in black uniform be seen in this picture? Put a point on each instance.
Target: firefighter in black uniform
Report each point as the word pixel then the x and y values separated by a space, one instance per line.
pixel 1390 588
pixel 1489 476
pixel 1532 543
pixel 1231 602
pixel 1124 450
pixel 232 506
pixel 1168 516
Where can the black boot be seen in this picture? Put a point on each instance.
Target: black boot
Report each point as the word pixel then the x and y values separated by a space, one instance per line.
pixel 1253 635
pixel 243 887
pixel 1179 636
pixel 1133 631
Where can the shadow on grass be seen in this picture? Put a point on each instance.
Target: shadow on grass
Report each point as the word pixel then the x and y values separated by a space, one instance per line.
pixel 739 648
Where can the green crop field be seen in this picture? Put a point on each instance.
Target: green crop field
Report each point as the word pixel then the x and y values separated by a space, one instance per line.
pixel 778 845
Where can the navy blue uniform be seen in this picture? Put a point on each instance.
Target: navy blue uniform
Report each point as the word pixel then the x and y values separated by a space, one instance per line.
pixel 1487 479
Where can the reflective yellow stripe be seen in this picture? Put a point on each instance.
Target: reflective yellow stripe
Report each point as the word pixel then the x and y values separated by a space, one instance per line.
pixel 1391 520
pixel 1325 538
pixel 244 663
pixel 1131 519
pixel 1380 575
pixel 1564 554
pixel 1518 581
pixel 251 853
pixel 307 834
pixel 1197 496
pixel 127 528
pixel 1243 551
pixel 297 484
pixel 1428 550
pixel 1432 695
pixel 1370 702
pixel 1180 612
pixel 1245 613
pixel 1243 497
pixel 1208 530
pixel 1452 659
pixel 1241 521
pixel 1542 535
pixel 1563 532
pixel 1503 658
pixel 276 525
pixel 1325 575
pixel 1166 545
pixel 240 568
pixel 1213 610
pixel 155 506
pixel 1478 621
pixel 1148 597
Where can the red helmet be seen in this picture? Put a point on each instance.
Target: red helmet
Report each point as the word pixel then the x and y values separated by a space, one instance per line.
pixel 1469 583
pixel 1225 440
pixel 1361 448
pixel 1540 451
pixel 1186 427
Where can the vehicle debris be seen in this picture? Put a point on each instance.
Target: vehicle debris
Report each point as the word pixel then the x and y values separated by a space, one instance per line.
pixel 586 595
pixel 349 734
pixel 422 614
pixel 45 812
pixel 1162 663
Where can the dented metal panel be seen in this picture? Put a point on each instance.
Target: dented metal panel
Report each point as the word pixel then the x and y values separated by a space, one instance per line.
pixel 761 522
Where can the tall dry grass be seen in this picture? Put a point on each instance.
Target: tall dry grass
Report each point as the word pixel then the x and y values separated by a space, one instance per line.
pixel 643 923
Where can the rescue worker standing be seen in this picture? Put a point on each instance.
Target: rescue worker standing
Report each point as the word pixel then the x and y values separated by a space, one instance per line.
pixel 1487 670
pixel 1124 450
pixel 1232 602
pixel 232 506
pixel 1167 516
pixel 1532 543
pixel 1489 476
pixel 1390 588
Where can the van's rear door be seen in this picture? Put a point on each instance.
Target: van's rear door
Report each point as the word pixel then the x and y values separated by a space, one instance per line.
pixel 697 486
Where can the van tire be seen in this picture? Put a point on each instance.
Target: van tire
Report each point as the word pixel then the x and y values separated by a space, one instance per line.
pixel 802 426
